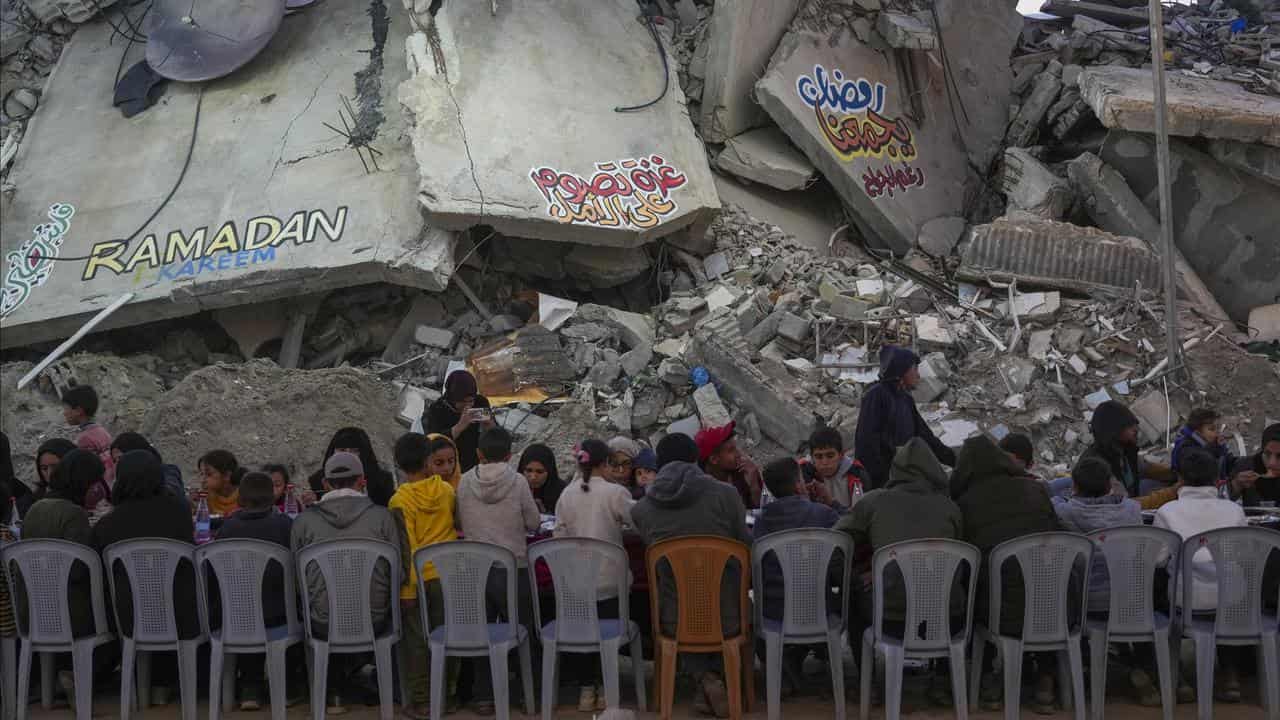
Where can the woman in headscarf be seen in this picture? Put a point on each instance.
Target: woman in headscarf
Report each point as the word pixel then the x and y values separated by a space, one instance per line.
pixel 622 470
pixel 144 508
pixel 48 455
pixel 98 500
pixel 380 485
pixel 61 516
pixel 127 442
pixel 462 413
pixel 18 495
pixel 538 466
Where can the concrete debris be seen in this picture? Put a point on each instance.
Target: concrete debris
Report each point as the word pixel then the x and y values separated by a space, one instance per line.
pixel 907 32
pixel 1033 187
pixel 939 236
pixel 433 337
pixel 77 11
pixel 765 156
pixel 1123 98
pixel 742 37
pixel 1222 217
pixel 603 267
pixel 1264 323
pixel 574 170
pixel 710 409
pixel 1261 161
pixel 1059 255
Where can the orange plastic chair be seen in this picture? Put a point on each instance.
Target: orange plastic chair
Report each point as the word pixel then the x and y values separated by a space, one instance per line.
pixel 698 563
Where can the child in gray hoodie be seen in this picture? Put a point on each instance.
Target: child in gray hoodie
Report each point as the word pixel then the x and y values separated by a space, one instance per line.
pixel 496 506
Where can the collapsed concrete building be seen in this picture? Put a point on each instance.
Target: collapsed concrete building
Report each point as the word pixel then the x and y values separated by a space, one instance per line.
pixel 766 189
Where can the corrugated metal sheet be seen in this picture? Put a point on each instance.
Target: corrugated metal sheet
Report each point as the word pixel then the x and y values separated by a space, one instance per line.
pixel 1058 255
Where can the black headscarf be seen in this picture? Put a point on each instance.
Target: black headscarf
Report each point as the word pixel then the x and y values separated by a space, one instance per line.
pixel 53 446
pixel 549 493
pixel 139 475
pixel 127 442
pixel 381 486
pixel 78 470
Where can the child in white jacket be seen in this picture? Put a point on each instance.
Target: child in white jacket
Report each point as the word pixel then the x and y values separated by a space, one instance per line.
pixel 1199 509
pixel 593 507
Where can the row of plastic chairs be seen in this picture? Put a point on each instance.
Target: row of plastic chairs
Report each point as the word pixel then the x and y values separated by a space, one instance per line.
pixel 929 569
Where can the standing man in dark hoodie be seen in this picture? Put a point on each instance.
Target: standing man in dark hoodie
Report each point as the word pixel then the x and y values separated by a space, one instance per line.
pixel 889 418
pixel 999 502
pixel 345 512
pixel 914 505
pixel 683 500
pixel 1115 442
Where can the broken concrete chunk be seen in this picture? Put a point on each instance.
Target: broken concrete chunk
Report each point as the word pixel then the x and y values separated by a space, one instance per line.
pixel 1264 323
pixel 783 419
pixel 636 360
pixel 604 372
pixel 793 327
pixel 1155 416
pixel 844 307
pixel 939 236
pixel 1261 161
pixel 1123 97
pixel 740 40
pixel 799 366
pixel 766 156
pixel 1069 338
pixel 748 314
pixel 1026 124
pixel 710 408
pixel 930 332
pixel 906 32
pixel 934 373
pixel 673 372
pixel 1034 305
pixel 586 331
pixel 1033 187
pixel 523 188
pixel 1058 255
pixel 1077 364
pixel 413 403
pixel 1039 344
pixel 722 296
pixel 433 337
pixel 671 347
pixel 606 267
pixel 715 265
pixel 636 330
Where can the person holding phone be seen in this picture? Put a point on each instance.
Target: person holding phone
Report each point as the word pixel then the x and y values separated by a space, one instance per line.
pixel 461 413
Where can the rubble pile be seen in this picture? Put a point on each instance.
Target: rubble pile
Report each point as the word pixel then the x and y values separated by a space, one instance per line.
pixel 30 45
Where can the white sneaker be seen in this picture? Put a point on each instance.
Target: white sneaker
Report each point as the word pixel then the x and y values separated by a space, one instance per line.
pixel 587 698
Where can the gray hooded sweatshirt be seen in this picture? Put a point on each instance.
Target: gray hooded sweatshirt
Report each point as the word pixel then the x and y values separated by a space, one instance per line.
pixel 346 517
pixel 683 500
pixel 496 506
pixel 1084 515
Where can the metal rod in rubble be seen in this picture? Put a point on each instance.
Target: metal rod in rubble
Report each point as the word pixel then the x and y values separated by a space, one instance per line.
pixel 1168 249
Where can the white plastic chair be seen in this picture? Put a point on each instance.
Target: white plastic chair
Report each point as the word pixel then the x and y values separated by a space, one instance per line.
pixel 346 567
pixel 1240 557
pixel 1047 561
pixel 929 569
pixel 45 568
pixel 576 566
pixel 1132 556
pixel 240 567
pixel 150 565
pixel 8 656
pixel 464 573
pixel 804 556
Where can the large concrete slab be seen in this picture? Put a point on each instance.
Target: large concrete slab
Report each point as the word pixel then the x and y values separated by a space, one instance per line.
pixel 740 41
pixel 1124 98
pixel 1224 219
pixel 516 125
pixel 896 163
pixel 274 202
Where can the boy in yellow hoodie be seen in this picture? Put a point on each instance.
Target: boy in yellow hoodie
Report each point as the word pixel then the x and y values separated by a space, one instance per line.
pixel 424 508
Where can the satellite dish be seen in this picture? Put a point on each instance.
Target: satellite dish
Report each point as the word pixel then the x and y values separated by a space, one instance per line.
pixel 194 40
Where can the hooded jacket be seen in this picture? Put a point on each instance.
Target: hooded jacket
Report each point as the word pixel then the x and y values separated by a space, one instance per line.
pixel 596 509
pixel 914 505
pixel 1189 438
pixel 850 475
pixel 683 500
pixel 1109 420
pixel 496 506
pixel 1086 514
pixel 426 510
pixel 1000 503
pixel 888 418
pixel 1197 510
pixel 345 517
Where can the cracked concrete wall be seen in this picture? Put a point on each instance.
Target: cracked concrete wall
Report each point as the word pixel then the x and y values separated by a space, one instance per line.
pixel 285 202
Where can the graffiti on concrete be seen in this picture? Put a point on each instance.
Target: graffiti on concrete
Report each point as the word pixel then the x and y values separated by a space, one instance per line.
pixel 29 266
pixel 633 193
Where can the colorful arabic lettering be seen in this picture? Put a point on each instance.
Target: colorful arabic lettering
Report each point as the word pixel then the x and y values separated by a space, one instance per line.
pixel 833 91
pixel 31 263
pixel 630 192
pixel 877 182
pixel 867 134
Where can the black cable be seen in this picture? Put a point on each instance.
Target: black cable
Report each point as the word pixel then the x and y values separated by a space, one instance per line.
pixel 666 71
pixel 195 127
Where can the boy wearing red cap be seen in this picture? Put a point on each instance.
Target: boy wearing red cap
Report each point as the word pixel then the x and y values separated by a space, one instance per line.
pixel 720 457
